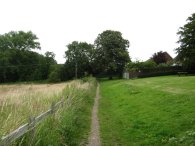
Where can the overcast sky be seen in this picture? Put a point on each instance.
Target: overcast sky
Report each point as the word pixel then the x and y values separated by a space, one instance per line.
pixel 149 25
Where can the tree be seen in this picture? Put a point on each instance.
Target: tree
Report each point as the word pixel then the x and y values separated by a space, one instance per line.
pixel 161 57
pixel 56 73
pixel 16 57
pixel 79 55
pixel 50 57
pixel 19 40
pixel 19 62
pixel 111 53
pixel 49 61
pixel 186 51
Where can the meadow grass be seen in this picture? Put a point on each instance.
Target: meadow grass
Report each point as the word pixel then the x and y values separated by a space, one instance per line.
pixel 20 101
pixel 70 125
pixel 149 111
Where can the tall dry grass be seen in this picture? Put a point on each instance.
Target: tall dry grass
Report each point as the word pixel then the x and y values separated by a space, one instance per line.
pixel 19 101
pixel 70 125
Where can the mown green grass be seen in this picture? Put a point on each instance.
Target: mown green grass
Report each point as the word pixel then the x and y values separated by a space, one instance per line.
pixel 150 111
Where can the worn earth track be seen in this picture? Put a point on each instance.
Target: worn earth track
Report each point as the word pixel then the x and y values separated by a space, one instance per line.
pixel 94 138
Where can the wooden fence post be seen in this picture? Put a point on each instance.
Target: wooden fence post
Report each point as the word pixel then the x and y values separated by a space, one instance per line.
pixel 68 100
pixel 53 109
pixel 63 101
pixel 31 127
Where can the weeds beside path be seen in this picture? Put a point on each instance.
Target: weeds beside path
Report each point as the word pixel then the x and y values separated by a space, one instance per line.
pixel 94 139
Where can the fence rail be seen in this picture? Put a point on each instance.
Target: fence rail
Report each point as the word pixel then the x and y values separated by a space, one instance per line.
pixel 11 137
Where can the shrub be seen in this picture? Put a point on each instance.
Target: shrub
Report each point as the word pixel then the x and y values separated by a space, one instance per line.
pixel 56 73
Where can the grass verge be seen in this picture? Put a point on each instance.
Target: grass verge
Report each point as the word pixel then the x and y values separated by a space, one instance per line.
pixel 150 111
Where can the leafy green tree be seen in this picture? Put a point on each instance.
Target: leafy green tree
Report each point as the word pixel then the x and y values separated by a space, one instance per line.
pixel 19 40
pixel 79 56
pixel 5 70
pixel 16 56
pixel 111 53
pixel 50 56
pixel 56 73
pixel 186 51
pixel 49 61
pixel 19 62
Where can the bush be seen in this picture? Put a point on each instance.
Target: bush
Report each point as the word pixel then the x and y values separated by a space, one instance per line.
pixel 54 77
pixel 56 73
pixel 136 66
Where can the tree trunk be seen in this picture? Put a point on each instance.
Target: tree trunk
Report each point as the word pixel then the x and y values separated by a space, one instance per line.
pixel 76 70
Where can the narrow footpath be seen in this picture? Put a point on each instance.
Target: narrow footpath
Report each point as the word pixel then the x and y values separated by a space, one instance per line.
pixel 94 138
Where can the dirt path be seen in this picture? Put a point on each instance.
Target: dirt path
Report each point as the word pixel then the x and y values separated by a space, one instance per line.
pixel 94 138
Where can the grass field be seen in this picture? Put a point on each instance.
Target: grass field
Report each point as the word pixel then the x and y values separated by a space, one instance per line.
pixel 19 101
pixel 69 126
pixel 148 112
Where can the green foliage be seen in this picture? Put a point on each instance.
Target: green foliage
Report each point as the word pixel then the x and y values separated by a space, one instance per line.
pixel 188 138
pixel 150 68
pixel 54 77
pixel 75 124
pixel 19 40
pixel 163 65
pixel 138 65
pixel 50 57
pixel 18 62
pixel 79 58
pixel 186 51
pixel 151 111
pixel 56 73
pixel 111 53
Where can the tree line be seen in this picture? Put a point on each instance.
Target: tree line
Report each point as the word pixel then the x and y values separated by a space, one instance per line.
pixel 108 56
pixel 18 61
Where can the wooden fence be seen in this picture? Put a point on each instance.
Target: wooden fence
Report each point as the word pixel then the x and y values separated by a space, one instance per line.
pixel 33 121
